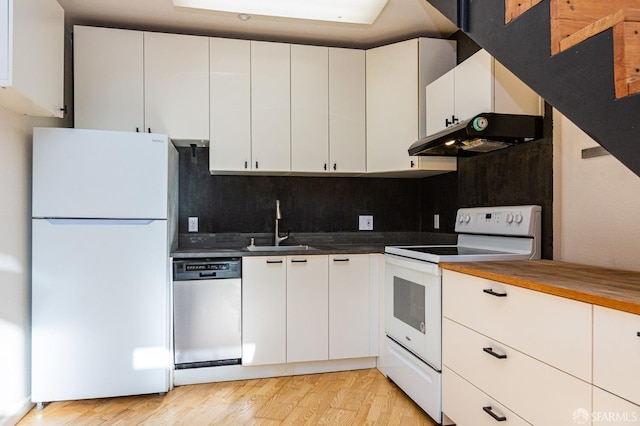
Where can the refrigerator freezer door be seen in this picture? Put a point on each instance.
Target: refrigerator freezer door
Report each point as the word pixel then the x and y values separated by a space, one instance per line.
pixel 100 309
pixel 99 174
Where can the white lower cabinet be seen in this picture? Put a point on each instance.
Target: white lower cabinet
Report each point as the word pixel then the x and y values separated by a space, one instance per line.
pixel 468 405
pixel 616 352
pixel 539 393
pixel 307 308
pixel 264 310
pixel 349 306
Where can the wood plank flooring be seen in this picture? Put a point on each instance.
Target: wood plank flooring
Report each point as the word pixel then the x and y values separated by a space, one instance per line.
pixel 344 398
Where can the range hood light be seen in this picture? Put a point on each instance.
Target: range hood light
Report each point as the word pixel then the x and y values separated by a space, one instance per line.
pixel 451 142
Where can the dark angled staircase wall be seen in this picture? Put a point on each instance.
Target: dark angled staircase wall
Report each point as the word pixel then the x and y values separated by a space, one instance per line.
pixel 578 82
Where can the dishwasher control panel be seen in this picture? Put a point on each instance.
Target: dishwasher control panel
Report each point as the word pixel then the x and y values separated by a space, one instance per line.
pixel 205 269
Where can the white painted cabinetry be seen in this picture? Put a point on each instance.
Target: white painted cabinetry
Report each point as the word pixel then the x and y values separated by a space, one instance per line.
pixel 349 306
pixel 271 107
pixel 108 79
pixel 176 85
pixel 529 351
pixel 141 81
pixel 264 310
pixel 347 111
pixel 396 77
pixel 478 84
pixel 309 108
pixel 307 308
pixel 230 105
pixel 32 57
pixel 616 352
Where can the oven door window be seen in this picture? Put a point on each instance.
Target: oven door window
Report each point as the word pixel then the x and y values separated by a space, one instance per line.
pixel 408 303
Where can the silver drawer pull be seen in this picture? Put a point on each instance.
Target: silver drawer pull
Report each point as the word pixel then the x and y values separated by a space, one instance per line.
pixel 497 418
pixel 495 354
pixel 493 293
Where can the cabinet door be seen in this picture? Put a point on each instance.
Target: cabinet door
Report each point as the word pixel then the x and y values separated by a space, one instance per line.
pixel 230 101
pixel 307 308
pixel 176 85
pixel 608 408
pixel 32 57
pixel 264 310
pixel 440 103
pixel 349 305
pixel 474 86
pixel 309 108
pixel 512 95
pixel 616 351
pixel 392 105
pixel 108 79
pixel 270 106
pixel 347 110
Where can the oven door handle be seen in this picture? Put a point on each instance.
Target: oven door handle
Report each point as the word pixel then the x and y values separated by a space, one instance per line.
pixel 412 264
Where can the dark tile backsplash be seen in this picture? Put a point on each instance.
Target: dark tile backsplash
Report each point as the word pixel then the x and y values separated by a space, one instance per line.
pixel 246 204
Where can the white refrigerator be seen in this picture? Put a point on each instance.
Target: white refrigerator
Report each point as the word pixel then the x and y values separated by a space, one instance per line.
pixel 104 222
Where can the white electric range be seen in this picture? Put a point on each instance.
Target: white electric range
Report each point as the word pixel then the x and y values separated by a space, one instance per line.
pixel 413 292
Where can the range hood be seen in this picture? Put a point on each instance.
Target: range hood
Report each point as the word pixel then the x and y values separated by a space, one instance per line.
pixel 483 133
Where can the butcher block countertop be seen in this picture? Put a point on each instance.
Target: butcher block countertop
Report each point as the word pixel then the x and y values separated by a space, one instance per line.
pixel 611 288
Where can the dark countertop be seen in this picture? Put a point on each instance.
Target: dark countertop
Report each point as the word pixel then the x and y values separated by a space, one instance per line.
pixel 194 246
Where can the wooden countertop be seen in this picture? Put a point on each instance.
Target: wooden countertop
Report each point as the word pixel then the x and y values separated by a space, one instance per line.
pixel 611 288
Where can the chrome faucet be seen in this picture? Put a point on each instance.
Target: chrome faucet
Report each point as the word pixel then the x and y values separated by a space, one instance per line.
pixel 277 238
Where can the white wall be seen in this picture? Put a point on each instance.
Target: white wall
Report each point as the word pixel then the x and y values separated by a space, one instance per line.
pixel 15 266
pixel 596 203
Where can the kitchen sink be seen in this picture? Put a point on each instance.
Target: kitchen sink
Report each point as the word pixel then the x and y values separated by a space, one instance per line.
pixel 280 248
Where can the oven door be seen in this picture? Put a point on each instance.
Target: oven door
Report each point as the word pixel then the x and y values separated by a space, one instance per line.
pixel 413 306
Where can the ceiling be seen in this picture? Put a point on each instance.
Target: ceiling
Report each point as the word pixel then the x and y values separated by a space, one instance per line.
pixel 399 20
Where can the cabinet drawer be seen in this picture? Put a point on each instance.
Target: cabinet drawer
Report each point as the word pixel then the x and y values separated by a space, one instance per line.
pixel 467 405
pixel 616 351
pixel 552 329
pixel 540 394
pixel 609 409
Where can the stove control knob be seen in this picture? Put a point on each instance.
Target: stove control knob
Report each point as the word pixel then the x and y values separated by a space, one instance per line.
pixel 467 218
pixel 509 218
pixel 461 218
pixel 518 218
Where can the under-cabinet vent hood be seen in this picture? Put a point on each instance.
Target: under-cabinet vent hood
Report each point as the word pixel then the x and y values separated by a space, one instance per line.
pixel 483 133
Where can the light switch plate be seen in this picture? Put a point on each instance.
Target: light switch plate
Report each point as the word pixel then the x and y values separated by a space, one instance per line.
pixel 193 224
pixel 365 223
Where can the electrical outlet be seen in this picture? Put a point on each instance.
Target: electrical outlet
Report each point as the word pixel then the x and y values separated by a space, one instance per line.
pixel 193 224
pixel 436 221
pixel 365 223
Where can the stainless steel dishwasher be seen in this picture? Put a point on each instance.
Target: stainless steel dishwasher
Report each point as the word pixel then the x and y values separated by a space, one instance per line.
pixel 207 312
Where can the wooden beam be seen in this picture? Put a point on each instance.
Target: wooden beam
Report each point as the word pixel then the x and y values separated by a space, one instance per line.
pixel 515 8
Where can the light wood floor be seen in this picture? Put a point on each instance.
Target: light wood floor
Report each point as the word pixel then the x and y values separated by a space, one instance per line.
pixel 344 398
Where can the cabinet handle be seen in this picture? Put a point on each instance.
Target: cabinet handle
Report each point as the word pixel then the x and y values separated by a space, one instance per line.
pixel 495 354
pixel 489 411
pixel 447 123
pixel 137 130
pixel 246 164
pixel 638 334
pixel 274 261
pixel 149 129
pixel 298 260
pixel 256 165
pixel 325 166
pixel 341 259
pixel 335 166
pixel 412 164
pixel 493 293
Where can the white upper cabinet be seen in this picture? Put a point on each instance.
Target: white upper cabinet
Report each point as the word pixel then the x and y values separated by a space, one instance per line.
pixel 271 107
pixel 395 79
pixel 478 84
pixel 32 57
pixel 176 85
pixel 230 105
pixel 347 111
pixel 309 108
pixel 108 79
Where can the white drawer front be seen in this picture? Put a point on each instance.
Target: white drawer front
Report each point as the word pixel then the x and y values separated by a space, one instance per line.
pixel 608 409
pixel 552 329
pixel 469 406
pixel 537 392
pixel 616 352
